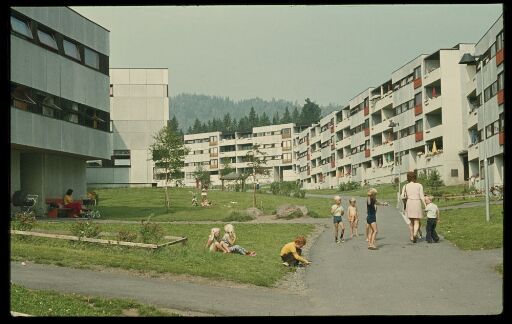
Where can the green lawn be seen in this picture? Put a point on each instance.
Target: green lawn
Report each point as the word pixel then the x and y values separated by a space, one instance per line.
pixel 468 229
pixel 51 303
pixel 265 269
pixel 139 203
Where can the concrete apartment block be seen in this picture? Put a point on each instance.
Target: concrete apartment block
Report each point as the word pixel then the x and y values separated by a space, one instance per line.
pixel 139 108
pixel 60 113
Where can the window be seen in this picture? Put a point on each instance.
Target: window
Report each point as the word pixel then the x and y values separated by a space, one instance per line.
pixel 487 94
pixel 47 39
pixel 417 72
pixel 111 90
pixel 502 122
pixel 287 157
pixel 49 106
pixel 492 129
pixel 494 88
pixel 493 50
pixel 287 145
pixel 409 79
pixel 121 158
pixel 411 104
pixel 21 99
pixel 367 144
pixel 214 163
pixel 417 99
pixel 21 27
pixel 501 81
pixel 71 50
pixel 499 42
pixel 419 126
pixel 92 58
pixel 213 138
pixel 454 172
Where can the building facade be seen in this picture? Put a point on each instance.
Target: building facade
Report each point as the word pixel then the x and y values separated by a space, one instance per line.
pixel 139 108
pixel 213 151
pixel 60 112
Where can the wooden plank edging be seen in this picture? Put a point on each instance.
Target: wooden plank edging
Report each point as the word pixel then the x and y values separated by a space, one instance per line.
pixel 88 239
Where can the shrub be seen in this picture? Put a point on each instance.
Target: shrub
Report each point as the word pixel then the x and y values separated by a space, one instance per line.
pixel 313 214
pixel 237 216
pixel 299 194
pixel 126 236
pixel 347 186
pixel 23 221
pixel 85 229
pixel 151 232
pixel 287 188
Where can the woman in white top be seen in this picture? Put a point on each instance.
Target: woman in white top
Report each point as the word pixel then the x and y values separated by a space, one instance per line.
pixel 413 191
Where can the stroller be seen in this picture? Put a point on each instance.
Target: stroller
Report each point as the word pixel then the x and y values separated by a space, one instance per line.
pixel 90 204
pixel 26 204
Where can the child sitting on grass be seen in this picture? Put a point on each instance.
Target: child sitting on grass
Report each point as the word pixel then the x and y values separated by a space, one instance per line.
pixel 291 252
pixel 214 242
pixel 228 241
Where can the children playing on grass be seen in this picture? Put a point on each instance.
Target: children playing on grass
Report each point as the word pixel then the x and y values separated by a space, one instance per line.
pixel 371 218
pixel 291 252
pixel 228 241
pixel 214 242
pixel 432 220
pixel 336 212
pixel 353 217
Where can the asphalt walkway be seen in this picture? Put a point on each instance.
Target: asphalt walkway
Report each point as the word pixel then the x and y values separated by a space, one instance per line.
pixel 400 278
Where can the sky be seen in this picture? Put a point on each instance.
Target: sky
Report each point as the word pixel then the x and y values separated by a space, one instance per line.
pixel 326 53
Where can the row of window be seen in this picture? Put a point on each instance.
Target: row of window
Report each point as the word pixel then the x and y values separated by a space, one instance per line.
pixel 496 86
pixel 495 127
pixel 497 46
pixel 408 79
pixel 42 103
pixel 49 39
pixel 356 109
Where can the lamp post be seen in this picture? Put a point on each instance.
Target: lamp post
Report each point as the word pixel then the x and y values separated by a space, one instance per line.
pixel 393 125
pixel 473 60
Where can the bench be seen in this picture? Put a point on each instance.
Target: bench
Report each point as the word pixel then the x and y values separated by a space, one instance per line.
pixel 60 210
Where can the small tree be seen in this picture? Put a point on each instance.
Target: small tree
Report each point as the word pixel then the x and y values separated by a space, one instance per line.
pixel 168 154
pixel 226 168
pixel 257 165
pixel 202 175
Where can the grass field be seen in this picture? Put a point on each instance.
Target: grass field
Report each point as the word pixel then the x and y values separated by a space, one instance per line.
pixel 139 203
pixel 468 229
pixel 51 303
pixel 265 269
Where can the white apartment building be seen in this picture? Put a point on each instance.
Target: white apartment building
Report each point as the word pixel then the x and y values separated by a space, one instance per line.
pixel 484 115
pixel 213 150
pixel 139 108
pixel 60 112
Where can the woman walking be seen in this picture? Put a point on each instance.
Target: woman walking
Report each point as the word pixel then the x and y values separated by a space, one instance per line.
pixel 413 192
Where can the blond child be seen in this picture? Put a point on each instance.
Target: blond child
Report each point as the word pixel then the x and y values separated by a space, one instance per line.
pixel 291 252
pixel 214 243
pixel 353 217
pixel 228 241
pixel 432 220
pixel 336 212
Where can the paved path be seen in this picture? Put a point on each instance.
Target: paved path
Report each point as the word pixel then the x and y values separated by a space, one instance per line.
pixel 400 278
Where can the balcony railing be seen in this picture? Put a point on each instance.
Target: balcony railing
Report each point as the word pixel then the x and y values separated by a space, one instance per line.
pixel 214 143
pixel 214 154
pixel 366 132
pixel 417 83
pixel 419 136
pixel 500 57
pixel 502 138
pixel 367 153
pixel 418 109
pixel 501 97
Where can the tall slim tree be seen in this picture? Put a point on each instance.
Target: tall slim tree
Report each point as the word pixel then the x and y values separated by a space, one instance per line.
pixel 253 118
pixel 264 120
pixel 275 119
pixel 203 176
pixel 197 127
pixel 257 165
pixel 227 126
pixel 168 154
pixel 295 116
pixel 287 118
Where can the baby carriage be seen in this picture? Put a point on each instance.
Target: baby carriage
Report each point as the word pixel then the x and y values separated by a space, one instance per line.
pixel 90 205
pixel 26 204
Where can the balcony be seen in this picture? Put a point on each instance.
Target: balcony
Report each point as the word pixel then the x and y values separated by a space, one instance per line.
pixel 332 128
pixel 366 132
pixel 214 154
pixel 418 109
pixel 502 138
pixel 333 146
pixel 500 57
pixel 214 143
pixel 473 151
pixel 214 166
pixel 433 104
pixel 367 153
pixel 333 164
pixel 287 161
pixel 366 110
pixel 418 136
pixel 501 97
pixel 432 75
pixel 417 83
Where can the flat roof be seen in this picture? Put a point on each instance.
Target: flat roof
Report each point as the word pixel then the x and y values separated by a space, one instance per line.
pixel 87 18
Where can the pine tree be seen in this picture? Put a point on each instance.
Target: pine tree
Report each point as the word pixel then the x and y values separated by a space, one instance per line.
pixel 295 116
pixel 227 124
pixel 264 120
pixel 253 118
pixel 310 113
pixel 275 119
pixel 287 118
pixel 198 127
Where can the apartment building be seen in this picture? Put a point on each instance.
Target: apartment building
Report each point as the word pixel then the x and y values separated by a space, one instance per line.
pixel 60 112
pixel 213 150
pixel 410 122
pixel 139 108
pixel 484 115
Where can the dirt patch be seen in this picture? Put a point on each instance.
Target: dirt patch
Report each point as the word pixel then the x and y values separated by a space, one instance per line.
pixel 295 281
pixel 133 312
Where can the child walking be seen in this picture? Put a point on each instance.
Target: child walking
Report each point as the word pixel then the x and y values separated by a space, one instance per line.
pixel 291 252
pixel 371 218
pixel 353 217
pixel 432 220
pixel 336 212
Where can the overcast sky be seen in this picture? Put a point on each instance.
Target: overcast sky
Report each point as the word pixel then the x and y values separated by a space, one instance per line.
pixel 326 53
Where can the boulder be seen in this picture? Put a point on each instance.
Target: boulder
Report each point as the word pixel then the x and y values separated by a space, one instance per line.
pixel 254 212
pixel 288 211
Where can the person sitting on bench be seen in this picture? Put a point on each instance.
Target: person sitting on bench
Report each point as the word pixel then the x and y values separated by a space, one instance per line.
pixel 69 202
